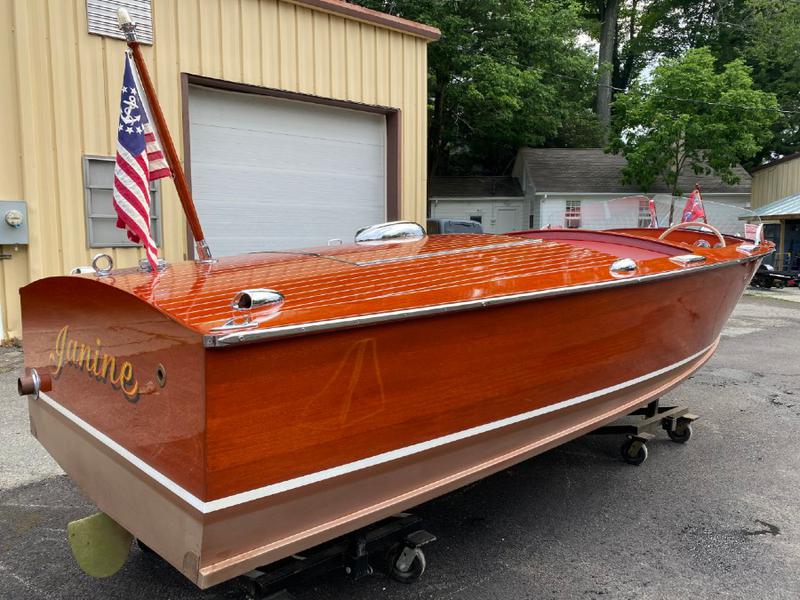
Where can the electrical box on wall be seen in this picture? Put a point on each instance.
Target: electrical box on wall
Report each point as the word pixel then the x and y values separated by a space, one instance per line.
pixel 13 222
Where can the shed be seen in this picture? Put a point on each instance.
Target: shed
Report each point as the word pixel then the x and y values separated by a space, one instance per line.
pixel 497 203
pixel 298 121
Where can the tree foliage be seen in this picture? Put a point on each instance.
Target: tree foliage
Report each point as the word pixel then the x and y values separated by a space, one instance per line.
pixel 505 74
pixel 690 114
pixel 764 34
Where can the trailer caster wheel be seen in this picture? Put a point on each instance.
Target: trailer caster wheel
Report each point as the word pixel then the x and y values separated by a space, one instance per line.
pixel 682 432
pixel 406 564
pixel 634 452
pixel 251 590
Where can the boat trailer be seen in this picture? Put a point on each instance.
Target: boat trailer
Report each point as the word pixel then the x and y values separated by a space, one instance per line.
pixel 675 420
pixel 393 546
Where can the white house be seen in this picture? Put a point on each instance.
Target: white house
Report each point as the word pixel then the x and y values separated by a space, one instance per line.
pixel 561 184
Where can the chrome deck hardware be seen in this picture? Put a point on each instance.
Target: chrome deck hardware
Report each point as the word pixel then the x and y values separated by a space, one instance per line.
pixel 394 231
pixel 758 239
pixel 97 264
pixel 685 260
pixel 623 267
pixel 256 298
pixel 246 301
pixel 85 270
pixel 144 265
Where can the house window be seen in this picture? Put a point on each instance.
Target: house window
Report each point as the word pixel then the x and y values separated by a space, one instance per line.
pixel 644 213
pixel 101 218
pixel 101 17
pixel 476 218
pixel 572 214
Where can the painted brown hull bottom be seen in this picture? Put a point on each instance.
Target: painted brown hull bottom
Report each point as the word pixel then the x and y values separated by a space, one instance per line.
pixel 213 547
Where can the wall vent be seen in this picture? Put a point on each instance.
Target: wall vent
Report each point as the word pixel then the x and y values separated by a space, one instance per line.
pixel 101 16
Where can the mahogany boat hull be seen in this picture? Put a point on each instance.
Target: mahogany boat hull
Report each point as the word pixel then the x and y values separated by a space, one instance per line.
pixel 213 547
pixel 289 442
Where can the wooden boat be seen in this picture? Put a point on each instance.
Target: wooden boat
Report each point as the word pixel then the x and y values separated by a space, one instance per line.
pixel 359 380
pixel 231 413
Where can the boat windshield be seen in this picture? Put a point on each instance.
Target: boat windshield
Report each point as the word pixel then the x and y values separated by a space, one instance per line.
pixel 661 210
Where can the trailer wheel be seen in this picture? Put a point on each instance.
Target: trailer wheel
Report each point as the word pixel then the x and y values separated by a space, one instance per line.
pixel 682 432
pixel 406 564
pixel 632 457
pixel 251 590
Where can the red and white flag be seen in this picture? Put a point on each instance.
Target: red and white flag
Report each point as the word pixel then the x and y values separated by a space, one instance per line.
pixel 694 210
pixel 140 160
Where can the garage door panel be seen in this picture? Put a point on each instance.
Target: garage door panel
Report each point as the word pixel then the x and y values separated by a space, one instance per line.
pixel 285 152
pixel 266 229
pixel 275 185
pixel 246 112
pixel 276 174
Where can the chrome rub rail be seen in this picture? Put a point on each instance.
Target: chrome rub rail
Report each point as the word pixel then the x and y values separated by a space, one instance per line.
pixel 247 337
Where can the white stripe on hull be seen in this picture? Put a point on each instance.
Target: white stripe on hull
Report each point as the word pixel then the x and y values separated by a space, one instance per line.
pixel 378 459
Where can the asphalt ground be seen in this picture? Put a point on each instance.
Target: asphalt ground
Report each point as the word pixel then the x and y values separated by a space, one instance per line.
pixel 716 518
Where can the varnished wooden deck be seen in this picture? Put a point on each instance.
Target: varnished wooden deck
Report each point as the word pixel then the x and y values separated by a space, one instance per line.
pixel 350 280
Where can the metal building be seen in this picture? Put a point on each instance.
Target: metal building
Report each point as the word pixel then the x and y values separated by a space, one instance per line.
pixel 776 199
pixel 298 121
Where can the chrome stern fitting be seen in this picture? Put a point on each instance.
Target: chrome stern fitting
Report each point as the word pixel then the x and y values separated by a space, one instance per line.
pixel 33 383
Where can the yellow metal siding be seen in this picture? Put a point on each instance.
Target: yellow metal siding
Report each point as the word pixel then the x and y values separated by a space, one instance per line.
pixel 61 93
pixel 774 183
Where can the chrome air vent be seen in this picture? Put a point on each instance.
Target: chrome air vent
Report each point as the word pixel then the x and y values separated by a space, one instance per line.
pixel 265 302
pixel 256 298
pixel 395 231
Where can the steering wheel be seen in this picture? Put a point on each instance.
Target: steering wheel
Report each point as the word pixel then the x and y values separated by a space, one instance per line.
pixel 689 224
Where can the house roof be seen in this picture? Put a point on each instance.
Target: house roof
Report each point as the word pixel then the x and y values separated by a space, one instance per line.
pixel 474 187
pixel 591 170
pixel 777 161
pixel 790 205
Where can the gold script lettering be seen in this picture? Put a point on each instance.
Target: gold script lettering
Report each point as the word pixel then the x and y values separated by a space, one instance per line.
pixel 94 362
pixel 129 385
pixel 57 356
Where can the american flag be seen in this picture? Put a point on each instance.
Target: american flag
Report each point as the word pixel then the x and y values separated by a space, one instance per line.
pixel 140 160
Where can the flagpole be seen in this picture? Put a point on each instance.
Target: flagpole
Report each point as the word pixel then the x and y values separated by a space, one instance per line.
pixel 700 195
pixel 129 28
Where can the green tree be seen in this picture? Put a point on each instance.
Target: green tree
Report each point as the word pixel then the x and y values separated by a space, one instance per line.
pixel 633 33
pixel 691 115
pixel 765 34
pixel 505 74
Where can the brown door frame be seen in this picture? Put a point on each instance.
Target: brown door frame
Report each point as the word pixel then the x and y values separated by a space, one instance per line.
pixel 393 135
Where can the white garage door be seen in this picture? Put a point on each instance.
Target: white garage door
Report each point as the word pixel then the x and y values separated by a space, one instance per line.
pixel 271 174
